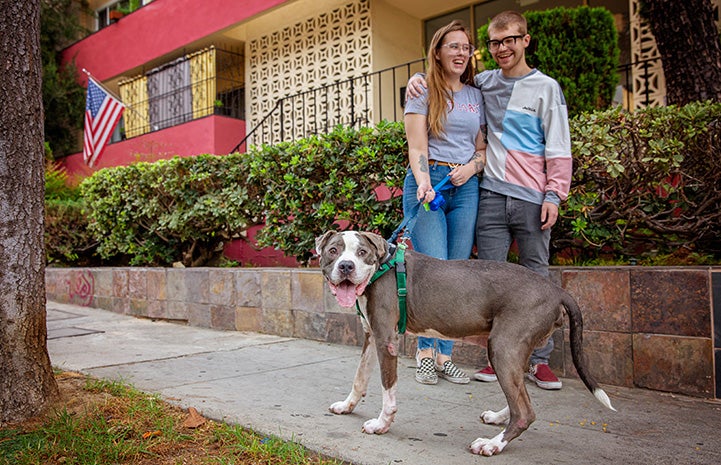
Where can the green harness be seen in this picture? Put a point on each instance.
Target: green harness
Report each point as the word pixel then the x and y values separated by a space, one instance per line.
pixel 398 262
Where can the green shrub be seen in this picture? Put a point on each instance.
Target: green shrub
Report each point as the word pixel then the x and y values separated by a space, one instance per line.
pixel 57 186
pixel 67 240
pixel 186 209
pixel 176 210
pixel 645 183
pixel 327 182
pixel 63 96
pixel 576 46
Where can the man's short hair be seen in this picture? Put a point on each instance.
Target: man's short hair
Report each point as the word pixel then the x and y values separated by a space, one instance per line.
pixel 508 18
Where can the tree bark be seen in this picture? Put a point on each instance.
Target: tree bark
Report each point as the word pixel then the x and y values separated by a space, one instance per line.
pixel 688 41
pixel 26 377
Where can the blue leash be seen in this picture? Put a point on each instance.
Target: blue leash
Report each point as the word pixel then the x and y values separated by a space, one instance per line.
pixel 437 188
pixel 398 261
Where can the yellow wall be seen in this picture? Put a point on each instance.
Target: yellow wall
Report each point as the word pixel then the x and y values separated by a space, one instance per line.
pixel 397 36
pixel 288 14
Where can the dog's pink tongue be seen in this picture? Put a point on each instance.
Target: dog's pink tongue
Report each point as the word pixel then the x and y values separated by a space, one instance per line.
pixel 345 294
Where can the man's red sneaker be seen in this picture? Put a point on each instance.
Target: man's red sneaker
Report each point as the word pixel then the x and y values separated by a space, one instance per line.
pixel 544 378
pixel 487 374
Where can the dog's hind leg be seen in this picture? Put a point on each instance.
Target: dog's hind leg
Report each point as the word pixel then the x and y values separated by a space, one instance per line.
pixel 509 366
pixel 360 382
pixel 519 415
pixel 500 417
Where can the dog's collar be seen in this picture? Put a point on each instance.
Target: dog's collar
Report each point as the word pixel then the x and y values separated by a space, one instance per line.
pixel 399 263
pixel 389 261
pixel 391 251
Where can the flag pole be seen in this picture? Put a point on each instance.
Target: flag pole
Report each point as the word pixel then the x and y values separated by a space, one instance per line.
pixel 106 89
pixel 154 127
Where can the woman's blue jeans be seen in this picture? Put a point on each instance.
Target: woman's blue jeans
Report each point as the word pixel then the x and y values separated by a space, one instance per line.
pixel 446 233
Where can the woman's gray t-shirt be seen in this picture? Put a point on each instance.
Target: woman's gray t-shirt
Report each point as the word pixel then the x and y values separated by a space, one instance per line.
pixel 458 143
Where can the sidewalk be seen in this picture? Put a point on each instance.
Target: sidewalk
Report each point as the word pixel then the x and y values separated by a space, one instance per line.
pixel 283 386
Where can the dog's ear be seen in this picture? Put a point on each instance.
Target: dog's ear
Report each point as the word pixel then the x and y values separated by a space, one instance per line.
pixel 380 244
pixel 322 240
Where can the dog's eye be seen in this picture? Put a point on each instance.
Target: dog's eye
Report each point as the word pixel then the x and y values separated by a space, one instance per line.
pixel 362 252
pixel 332 251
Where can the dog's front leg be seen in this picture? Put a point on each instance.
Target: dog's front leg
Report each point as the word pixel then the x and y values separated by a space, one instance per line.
pixel 489 447
pixel 388 358
pixel 382 424
pixel 360 382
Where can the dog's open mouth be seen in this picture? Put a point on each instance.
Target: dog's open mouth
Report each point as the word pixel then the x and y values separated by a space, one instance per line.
pixel 346 292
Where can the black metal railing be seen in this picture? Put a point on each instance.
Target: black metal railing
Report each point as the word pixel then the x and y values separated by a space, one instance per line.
pixel 177 106
pixel 641 72
pixel 177 92
pixel 356 102
pixel 364 100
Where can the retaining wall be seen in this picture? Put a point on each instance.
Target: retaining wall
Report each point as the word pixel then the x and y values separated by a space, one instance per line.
pixel 651 327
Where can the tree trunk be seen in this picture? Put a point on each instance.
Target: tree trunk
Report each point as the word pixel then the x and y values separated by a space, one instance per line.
pixel 688 41
pixel 26 377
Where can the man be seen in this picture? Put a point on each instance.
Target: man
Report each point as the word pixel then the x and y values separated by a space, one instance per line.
pixel 529 165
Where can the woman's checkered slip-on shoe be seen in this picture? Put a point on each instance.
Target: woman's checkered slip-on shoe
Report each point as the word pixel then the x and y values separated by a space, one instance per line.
pixel 426 372
pixel 452 373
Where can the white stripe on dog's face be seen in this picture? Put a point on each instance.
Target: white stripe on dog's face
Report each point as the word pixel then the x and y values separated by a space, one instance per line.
pixel 357 251
pixel 348 261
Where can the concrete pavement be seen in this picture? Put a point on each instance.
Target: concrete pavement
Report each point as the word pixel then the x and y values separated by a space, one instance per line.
pixel 283 386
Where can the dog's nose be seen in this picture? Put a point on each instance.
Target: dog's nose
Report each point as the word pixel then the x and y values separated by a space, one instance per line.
pixel 346 267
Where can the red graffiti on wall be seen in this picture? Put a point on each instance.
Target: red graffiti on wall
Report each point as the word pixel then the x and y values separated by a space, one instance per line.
pixel 82 288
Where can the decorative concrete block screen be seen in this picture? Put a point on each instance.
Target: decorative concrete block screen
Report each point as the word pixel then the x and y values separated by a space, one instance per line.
pixel 318 51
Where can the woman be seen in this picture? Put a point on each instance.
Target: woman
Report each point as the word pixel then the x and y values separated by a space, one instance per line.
pixel 445 131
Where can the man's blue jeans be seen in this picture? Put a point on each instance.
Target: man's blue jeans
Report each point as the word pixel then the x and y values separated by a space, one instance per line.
pixel 446 233
pixel 501 219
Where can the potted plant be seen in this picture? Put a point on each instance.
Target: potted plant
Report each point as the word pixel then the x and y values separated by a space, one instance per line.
pixel 115 15
pixel 218 104
pixel 128 8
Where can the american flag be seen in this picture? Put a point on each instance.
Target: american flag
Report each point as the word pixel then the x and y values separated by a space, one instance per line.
pixel 102 113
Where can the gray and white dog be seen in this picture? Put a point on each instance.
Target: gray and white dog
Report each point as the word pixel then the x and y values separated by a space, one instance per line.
pixel 452 299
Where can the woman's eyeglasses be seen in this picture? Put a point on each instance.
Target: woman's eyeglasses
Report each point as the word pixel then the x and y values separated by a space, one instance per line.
pixel 455 47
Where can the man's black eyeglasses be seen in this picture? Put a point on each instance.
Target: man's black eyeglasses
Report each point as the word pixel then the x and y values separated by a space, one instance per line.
pixel 506 41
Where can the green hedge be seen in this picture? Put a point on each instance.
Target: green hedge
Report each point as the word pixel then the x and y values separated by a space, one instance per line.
pixel 576 46
pixel 645 184
pixel 185 209
pixel 67 240
pixel 329 181
pixel 177 210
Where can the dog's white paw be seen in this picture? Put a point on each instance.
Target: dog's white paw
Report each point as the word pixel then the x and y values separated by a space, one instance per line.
pixel 490 417
pixel 488 447
pixel 376 426
pixel 341 407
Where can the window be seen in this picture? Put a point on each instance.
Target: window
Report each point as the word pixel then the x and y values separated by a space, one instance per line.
pixel 432 25
pixel 114 10
pixel 481 13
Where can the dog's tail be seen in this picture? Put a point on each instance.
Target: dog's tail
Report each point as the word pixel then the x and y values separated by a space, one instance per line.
pixel 576 332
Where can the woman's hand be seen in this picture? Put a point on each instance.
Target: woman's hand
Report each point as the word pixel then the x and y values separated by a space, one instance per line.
pixel 425 192
pixel 461 174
